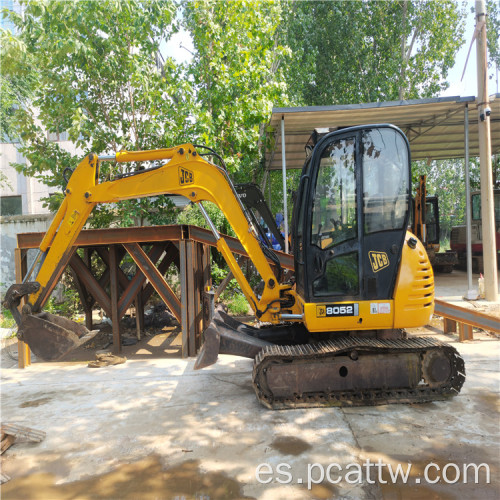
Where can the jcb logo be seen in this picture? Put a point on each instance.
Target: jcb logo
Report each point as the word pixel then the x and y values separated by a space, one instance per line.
pixel 378 260
pixel 185 176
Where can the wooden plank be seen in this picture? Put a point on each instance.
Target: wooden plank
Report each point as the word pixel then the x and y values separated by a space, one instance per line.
pixel 21 431
pixel 113 286
pixel 7 442
pixel 155 277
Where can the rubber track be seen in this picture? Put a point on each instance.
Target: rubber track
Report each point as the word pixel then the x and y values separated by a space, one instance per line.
pixel 330 349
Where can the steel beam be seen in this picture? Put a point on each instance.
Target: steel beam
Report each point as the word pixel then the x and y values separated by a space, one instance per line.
pixel 155 277
pixel 134 287
pixel 171 256
pixel 461 315
pixel 91 283
pixel 184 298
pixel 115 236
pixel 113 291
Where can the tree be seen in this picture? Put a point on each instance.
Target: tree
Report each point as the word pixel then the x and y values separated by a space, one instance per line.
pixel 236 75
pixel 98 78
pixel 366 51
pixel 493 29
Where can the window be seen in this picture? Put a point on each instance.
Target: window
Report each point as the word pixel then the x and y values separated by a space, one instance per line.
pixel 11 205
pixel 57 136
pixel 385 180
pixel 334 218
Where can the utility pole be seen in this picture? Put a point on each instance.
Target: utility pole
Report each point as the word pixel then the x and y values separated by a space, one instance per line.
pixel 487 202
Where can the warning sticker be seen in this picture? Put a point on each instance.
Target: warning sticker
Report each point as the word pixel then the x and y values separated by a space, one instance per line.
pixel 380 308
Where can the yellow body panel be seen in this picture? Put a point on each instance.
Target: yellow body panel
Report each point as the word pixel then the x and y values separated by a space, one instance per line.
pixel 372 314
pixel 414 296
pixel 411 306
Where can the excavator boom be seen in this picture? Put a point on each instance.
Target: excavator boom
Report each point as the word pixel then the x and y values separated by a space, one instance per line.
pixel 184 172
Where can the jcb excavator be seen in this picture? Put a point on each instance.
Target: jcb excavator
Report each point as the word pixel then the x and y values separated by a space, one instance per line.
pixel 333 336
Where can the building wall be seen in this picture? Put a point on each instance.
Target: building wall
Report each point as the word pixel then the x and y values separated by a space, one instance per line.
pixel 9 228
pixel 29 189
pixel 32 217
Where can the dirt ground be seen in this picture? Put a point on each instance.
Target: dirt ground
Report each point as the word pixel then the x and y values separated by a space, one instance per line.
pixel 155 428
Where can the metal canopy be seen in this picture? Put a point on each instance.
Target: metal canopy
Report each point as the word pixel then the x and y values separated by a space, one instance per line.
pixel 434 127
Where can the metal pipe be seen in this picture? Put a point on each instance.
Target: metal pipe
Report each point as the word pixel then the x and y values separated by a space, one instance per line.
pixel 468 222
pixel 33 264
pixel 283 166
pixel 209 222
pixel 292 317
pixel 484 134
pixel 107 158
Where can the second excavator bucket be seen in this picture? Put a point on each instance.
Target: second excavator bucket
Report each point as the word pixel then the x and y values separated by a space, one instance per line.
pixel 50 337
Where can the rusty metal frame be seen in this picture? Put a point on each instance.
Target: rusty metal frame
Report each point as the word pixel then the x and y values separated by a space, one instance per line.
pixel 186 246
pixel 454 315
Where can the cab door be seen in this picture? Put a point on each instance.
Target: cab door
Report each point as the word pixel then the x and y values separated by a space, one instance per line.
pixel 355 213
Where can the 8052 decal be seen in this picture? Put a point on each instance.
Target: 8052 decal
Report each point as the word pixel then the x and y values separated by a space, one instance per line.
pixel 329 310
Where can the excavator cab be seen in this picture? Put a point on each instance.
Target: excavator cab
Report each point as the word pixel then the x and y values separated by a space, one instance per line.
pixel 351 215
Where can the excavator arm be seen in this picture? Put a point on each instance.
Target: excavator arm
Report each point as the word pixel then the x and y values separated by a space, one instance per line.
pixel 185 172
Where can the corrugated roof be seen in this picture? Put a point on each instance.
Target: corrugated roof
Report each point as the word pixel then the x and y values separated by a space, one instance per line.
pixel 434 127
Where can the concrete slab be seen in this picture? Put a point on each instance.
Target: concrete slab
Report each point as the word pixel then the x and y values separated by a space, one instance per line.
pixel 155 428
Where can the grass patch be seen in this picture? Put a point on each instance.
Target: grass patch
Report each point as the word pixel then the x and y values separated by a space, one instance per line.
pixel 6 319
pixel 237 305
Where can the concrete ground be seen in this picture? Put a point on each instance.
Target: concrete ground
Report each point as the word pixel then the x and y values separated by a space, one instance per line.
pixel 155 428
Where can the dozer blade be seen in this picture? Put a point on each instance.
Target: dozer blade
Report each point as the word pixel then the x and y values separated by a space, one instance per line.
pixel 50 337
pixel 225 335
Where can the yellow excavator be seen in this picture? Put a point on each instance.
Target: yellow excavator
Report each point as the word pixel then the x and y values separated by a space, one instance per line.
pixel 332 336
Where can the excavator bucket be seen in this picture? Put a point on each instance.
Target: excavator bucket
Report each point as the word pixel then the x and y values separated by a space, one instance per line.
pixel 50 337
